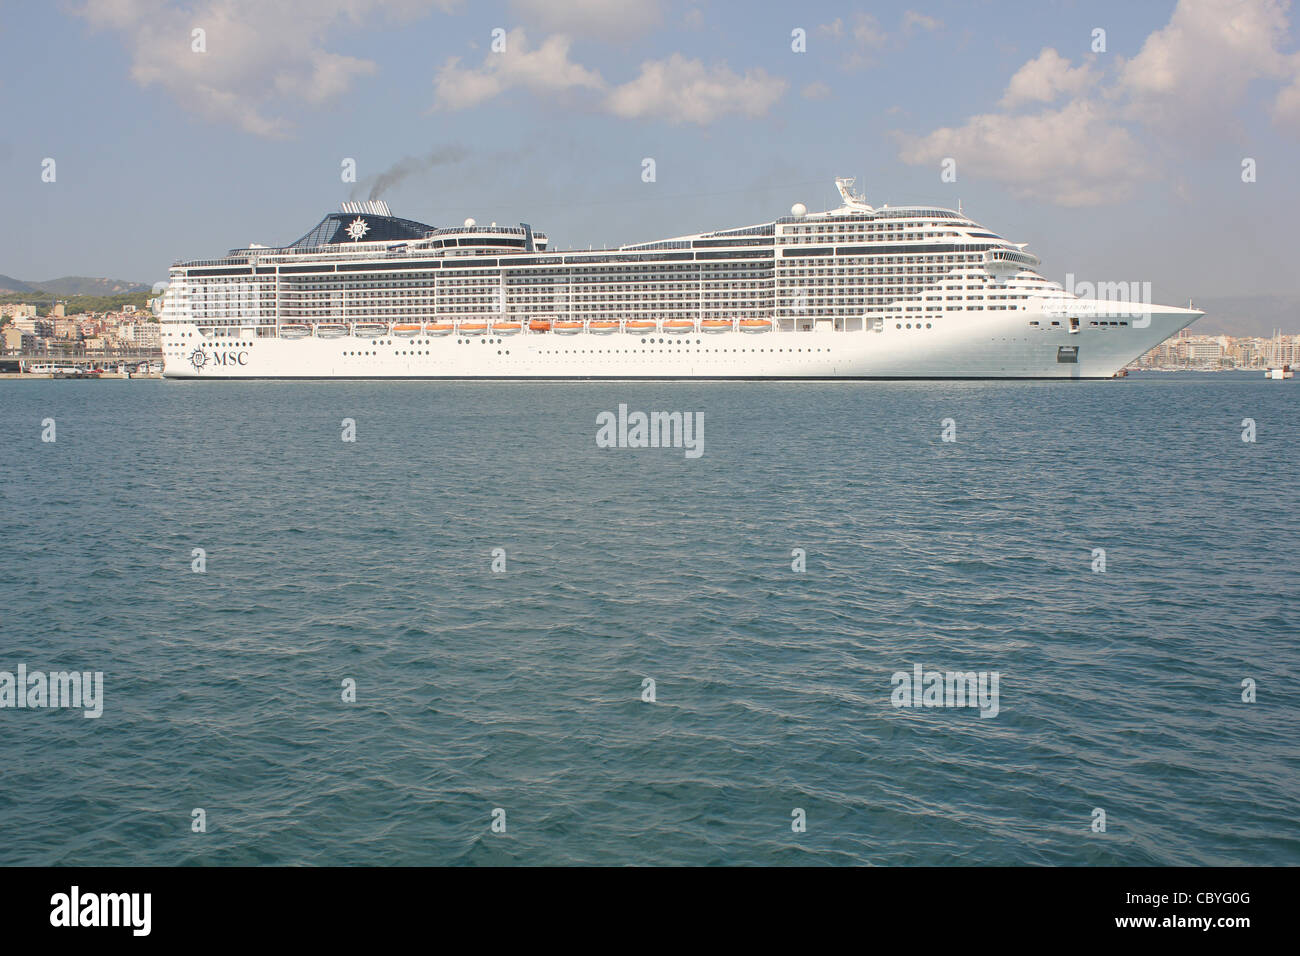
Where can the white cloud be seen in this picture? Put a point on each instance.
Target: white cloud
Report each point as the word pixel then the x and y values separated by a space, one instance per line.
pixel 546 69
pixel 816 90
pixel 1201 63
pixel 262 58
pixel 913 21
pixel 864 35
pixel 1072 156
pixel 676 89
pixel 1045 78
pixel 686 91
pixel 1178 92
pixel 1286 107
pixel 604 19
pixel 867 31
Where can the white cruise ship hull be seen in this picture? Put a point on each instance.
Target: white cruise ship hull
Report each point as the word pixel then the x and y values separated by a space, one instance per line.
pixel 969 347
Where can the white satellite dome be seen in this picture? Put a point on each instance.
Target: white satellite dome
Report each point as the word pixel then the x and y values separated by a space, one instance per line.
pixel 799 210
pixel 469 222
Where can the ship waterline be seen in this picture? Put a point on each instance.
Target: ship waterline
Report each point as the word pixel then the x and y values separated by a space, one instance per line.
pixel 854 292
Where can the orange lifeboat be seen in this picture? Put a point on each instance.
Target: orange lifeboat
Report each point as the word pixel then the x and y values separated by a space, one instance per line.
pixel 567 327
pixel 406 331
pixel 539 325
pixel 641 325
pixel 602 327
pixel 679 326
pixel 506 328
pixel 440 328
pixel 472 328
pixel 756 325
pixel 716 325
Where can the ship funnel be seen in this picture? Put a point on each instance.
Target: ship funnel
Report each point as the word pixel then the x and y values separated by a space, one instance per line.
pixel 369 207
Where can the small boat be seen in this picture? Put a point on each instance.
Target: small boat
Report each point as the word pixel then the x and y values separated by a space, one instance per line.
pixel 366 329
pixel 472 328
pixel 679 326
pixel 602 326
pixel 1278 374
pixel 440 328
pixel 716 325
pixel 295 331
pixel 641 325
pixel 567 327
pixel 756 325
pixel 406 331
pixel 331 330
pixel 539 325
pixel 506 328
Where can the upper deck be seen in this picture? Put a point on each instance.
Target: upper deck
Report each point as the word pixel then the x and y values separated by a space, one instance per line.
pixel 368 231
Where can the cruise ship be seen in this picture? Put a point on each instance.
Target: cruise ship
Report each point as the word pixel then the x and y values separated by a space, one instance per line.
pixel 855 292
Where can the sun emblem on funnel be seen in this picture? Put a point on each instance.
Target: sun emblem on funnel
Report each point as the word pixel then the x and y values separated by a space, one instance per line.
pixel 357 228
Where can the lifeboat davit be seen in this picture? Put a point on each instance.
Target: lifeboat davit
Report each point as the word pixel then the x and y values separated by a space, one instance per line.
pixel 472 328
pixel 756 325
pixel 295 331
pixel 539 325
pixel 716 325
pixel 406 331
pixel 440 328
pixel 602 327
pixel 506 328
pixel 567 327
pixel 679 326
pixel 641 325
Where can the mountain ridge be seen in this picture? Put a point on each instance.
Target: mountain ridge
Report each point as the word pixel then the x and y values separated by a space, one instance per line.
pixel 1247 315
pixel 72 285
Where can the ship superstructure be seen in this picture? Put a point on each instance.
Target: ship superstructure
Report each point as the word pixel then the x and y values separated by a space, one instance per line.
pixel 852 292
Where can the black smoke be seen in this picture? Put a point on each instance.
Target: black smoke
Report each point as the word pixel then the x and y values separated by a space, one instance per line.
pixel 407 167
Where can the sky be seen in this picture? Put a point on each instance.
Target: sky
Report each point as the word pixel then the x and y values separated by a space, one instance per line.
pixel 1138 140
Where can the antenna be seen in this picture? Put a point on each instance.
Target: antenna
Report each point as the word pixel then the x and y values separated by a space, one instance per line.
pixel 851 199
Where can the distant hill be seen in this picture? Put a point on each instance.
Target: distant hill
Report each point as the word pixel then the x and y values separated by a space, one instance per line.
pixel 10 284
pixel 82 285
pixel 72 285
pixel 1248 315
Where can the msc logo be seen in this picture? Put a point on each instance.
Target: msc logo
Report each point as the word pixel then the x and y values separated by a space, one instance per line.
pixel 199 358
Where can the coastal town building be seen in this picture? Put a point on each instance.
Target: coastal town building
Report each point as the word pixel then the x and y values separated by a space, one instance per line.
pixel 1211 352
pixel 106 333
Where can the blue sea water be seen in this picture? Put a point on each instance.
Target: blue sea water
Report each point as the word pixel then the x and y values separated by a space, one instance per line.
pixel 372 561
